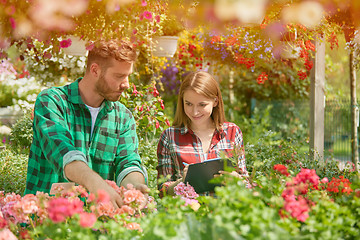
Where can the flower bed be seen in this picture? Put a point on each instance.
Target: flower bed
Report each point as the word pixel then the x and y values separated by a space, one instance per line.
pixel 280 204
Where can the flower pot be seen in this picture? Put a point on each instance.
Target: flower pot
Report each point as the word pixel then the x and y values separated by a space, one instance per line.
pixel 77 47
pixel 165 46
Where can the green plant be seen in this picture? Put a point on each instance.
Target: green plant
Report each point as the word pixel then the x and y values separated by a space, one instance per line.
pixel 22 132
pixel 13 167
pixel 170 25
pixel 147 108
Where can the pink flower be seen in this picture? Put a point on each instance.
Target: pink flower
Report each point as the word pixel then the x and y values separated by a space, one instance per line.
pixel 3 222
pixel 65 43
pixel 89 46
pixel 307 176
pixel 12 23
pixel 143 3
pixel 125 209
pixel 325 180
pixel 61 208
pixel 47 55
pixel 147 15
pixel 298 209
pixel 157 124
pixel 129 196
pixel 103 196
pixel 87 219
pixel 186 191
pixel 133 226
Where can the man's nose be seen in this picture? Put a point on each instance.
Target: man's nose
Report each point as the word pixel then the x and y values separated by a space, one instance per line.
pixel 125 84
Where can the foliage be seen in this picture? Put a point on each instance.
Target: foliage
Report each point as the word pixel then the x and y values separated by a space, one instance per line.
pixel 147 108
pixel 170 26
pixel 13 167
pixel 261 212
pixel 147 152
pixel 22 132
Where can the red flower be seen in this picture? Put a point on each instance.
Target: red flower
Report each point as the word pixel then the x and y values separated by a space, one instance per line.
pixel 308 65
pixel 333 41
pixel 261 80
pixel 340 185
pixel 215 39
pixel 309 45
pixel 65 43
pixel 281 169
pixel 302 75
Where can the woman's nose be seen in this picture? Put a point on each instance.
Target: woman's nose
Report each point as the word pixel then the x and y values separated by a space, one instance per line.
pixel 195 110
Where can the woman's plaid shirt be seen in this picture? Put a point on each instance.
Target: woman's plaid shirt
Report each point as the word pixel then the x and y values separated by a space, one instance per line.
pixel 62 134
pixel 180 145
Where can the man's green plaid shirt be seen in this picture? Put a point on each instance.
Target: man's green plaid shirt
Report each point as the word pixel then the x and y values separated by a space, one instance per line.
pixel 62 134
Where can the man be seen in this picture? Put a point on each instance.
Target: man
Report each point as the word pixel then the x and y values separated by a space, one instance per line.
pixel 82 133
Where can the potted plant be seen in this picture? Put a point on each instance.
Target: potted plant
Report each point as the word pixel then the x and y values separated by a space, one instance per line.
pixel 165 44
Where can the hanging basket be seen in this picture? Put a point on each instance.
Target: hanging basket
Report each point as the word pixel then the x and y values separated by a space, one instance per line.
pixel 77 47
pixel 165 46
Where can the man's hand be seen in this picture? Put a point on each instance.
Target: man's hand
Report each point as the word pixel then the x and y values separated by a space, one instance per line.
pixel 81 174
pixel 137 180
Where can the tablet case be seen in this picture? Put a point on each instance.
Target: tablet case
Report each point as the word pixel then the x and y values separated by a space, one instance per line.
pixel 199 174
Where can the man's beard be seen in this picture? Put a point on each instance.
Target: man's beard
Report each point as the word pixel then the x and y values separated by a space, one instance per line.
pixel 103 89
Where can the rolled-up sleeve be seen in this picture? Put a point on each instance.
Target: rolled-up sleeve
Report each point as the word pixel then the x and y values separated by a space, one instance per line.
pixel 55 140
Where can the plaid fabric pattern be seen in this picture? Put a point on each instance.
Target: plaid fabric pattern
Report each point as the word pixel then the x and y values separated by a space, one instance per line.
pixel 180 145
pixel 62 125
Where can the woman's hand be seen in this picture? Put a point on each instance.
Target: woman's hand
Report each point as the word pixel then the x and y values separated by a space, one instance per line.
pixel 184 173
pixel 233 173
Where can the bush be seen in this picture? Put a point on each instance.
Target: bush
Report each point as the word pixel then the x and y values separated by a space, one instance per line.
pixel 22 133
pixel 13 167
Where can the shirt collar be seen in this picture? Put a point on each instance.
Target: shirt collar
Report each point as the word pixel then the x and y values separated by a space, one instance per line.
pixel 74 96
pixel 184 130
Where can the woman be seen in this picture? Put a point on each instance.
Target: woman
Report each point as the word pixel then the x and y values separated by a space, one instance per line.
pixel 199 132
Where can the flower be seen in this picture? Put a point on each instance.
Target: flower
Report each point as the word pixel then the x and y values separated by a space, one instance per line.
pixel 87 219
pixel 65 43
pixel 262 78
pixel 281 169
pixel 185 190
pixel 147 15
pixel 61 208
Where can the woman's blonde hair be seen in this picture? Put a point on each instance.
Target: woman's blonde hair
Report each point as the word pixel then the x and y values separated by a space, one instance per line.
pixel 103 51
pixel 202 83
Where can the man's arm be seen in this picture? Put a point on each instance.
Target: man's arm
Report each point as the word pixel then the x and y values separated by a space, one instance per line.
pixel 80 173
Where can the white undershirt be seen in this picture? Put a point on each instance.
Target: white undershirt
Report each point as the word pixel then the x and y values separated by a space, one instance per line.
pixel 94 112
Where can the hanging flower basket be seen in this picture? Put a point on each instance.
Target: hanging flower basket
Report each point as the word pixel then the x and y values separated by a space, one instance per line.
pixel 165 46
pixel 77 47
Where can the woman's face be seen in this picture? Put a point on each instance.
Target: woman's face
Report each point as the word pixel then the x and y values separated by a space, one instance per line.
pixel 198 108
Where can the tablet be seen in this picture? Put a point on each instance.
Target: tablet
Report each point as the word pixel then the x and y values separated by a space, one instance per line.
pixel 199 174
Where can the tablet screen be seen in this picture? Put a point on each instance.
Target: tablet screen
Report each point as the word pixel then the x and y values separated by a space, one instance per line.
pixel 199 174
